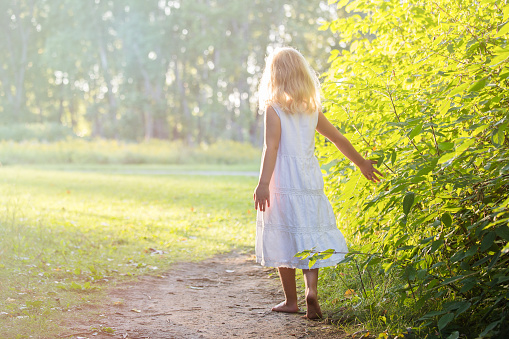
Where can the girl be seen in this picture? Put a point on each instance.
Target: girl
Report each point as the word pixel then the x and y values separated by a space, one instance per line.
pixel 293 213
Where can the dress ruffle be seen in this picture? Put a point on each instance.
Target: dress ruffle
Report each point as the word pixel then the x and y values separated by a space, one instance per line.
pixel 282 235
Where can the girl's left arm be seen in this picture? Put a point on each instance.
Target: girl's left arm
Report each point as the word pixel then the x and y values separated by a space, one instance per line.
pixel 272 136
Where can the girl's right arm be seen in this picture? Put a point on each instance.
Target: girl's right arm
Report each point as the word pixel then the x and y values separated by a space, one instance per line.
pixel 272 136
pixel 328 130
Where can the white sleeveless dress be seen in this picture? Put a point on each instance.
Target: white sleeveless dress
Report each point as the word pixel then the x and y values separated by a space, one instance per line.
pixel 300 216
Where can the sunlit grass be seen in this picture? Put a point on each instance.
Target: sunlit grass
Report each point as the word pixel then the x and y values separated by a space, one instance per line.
pixel 64 234
pixel 80 151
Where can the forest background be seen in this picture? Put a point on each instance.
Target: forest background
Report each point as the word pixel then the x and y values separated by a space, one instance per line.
pixel 138 70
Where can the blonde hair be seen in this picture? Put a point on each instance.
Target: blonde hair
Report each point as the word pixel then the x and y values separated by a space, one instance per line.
pixel 289 81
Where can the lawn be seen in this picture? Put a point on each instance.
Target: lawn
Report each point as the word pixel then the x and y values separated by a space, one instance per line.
pixel 67 231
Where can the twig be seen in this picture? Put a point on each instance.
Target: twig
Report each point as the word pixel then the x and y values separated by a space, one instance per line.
pixel 456 21
pixel 363 138
pixel 399 120
pixel 411 288
pixel 360 277
pixel 434 136
pixel 339 252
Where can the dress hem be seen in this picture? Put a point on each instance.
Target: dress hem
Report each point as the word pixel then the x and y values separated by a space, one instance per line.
pixel 304 265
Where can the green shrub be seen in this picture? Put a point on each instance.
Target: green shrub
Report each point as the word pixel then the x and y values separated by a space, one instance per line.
pixel 422 87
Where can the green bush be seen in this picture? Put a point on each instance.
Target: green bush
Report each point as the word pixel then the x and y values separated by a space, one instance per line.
pixel 423 88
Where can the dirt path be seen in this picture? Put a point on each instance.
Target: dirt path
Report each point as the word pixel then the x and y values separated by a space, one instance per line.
pixel 228 296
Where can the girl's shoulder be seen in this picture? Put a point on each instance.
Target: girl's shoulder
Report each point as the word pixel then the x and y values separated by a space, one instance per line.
pixel 276 107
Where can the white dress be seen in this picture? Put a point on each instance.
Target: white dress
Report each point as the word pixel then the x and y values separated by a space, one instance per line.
pixel 300 216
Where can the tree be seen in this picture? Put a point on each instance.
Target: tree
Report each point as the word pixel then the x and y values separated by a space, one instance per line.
pixel 19 25
pixel 185 70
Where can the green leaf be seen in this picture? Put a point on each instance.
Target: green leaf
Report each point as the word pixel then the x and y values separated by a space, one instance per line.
pixel 446 157
pixel 498 59
pixel 446 219
pixel 408 201
pixel 464 145
pixel 479 84
pixel 324 26
pixel 393 157
pixel 494 260
pixel 410 272
pixel 468 285
pixel 444 107
pixel 401 240
pixel 503 232
pixel 454 335
pixel 458 89
pixel 431 314
pixel 481 261
pixel 445 146
pixel 464 305
pixel 387 266
pixel 342 3
pixel 480 129
pixel 444 320
pixel 426 240
pixel 417 129
pixel 487 241
pixel 498 136
pixel 312 261
pixel 503 31
pixel 489 328
pixel 458 256
pixel 435 245
pixel 303 254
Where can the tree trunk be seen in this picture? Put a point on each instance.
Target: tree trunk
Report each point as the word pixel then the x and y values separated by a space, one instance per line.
pixel 14 87
pixel 184 106
pixel 112 102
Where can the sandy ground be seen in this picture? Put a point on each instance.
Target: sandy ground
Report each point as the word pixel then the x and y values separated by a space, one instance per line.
pixel 228 296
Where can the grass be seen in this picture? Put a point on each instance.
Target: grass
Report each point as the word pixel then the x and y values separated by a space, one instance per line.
pixel 65 232
pixel 368 302
pixel 251 169
pixel 86 152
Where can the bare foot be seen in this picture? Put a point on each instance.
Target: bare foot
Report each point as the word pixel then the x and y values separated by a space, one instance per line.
pixel 313 308
pixel 284 307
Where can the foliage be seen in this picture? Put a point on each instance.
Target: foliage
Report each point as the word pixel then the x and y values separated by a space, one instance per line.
pixel 64 235
pixel 79 151
pixel 137 70
pixel 422 87
pixel 362 301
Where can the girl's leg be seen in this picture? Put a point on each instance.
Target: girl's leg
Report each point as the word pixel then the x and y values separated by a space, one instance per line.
pixel 287 276
pixel 313 307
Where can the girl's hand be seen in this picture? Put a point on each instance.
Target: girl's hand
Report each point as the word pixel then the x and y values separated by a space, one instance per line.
pixel 261 197
pixel 369 171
